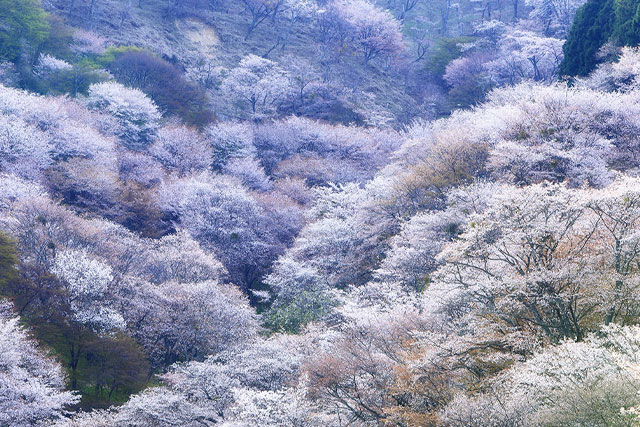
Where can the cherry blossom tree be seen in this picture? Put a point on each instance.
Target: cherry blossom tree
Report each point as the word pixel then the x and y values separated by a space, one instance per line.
pixel 467 81
pixel 621 75
pixel 40 227
pixel 222 216
pixel 230 140
pixel 275 408
pixel 572 384
pixel 88 281
pixel 352 376
pixel 31 383
pixel 266 364
pixel 182 149
pixel 412 257
pixel 257 85
pixel 179 258
pixel 231 388
pixel 374 32
pixel 24 150
pixel 249 171
pixel 137 114
pixel 158 406
pixel 577 149
pixel 534 265
pixel 15 189
pixel 526 55
pixel 59 143
pixel 554 16
pixel 48 64
pixel 341 153
pixel 187 321
pixel 301 295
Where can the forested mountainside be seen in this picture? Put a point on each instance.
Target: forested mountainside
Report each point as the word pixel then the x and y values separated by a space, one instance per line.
pixel 319 213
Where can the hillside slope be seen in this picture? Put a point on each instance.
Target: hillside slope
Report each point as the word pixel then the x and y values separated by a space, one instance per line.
pixel 318 213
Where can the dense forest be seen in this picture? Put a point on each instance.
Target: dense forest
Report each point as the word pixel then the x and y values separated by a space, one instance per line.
pixel 319 213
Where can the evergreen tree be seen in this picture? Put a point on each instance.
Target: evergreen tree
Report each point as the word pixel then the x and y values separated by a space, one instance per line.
pixel 627 27
pixel 592 27
pixel 22 22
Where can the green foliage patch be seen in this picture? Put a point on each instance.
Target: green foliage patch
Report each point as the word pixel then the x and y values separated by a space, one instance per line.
pixel 596 23
pixel 23 26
